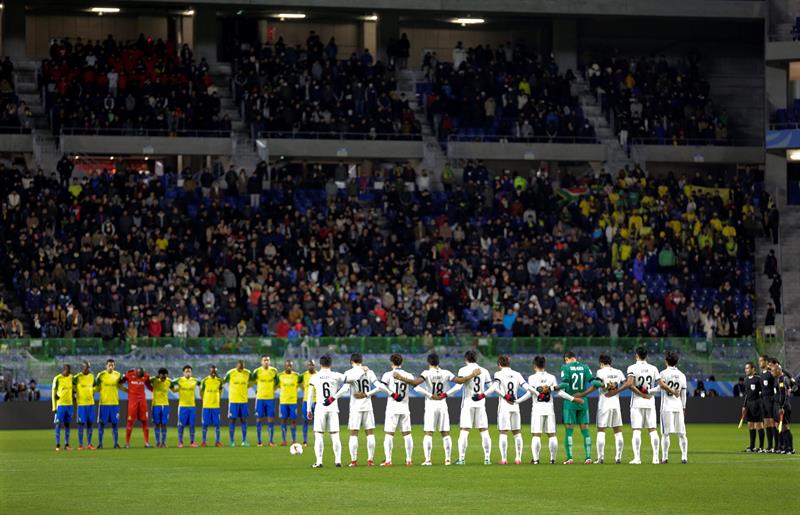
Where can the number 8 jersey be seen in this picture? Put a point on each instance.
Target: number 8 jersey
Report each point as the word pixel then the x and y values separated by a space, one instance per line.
pixel 326 383
pixel 644 374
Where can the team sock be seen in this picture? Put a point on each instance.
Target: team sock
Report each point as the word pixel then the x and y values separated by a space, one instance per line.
pixel 518 446
pixel 503 447
pixel 258 431
pixel 665 447
pixel 654 445
pixel 683 443
pixel 128 431
pixel 244 431
pixel 536 447
pixel 100 430
pixel 232 430
pixel 205 432
pixel 409 444
pixel 89 433
pixel 486 440
pixel 770 436
pixel 271 429
pixel 553 445
pixel 337 447
pixel 191 433
pixel 370 447
pixel 388 443
pixel 636 444
pixel 115 432
pixel 58 435
pixel 216 433
pixel 752 439
pixel 447 443
pixel 427 446
pixel 283 433
pixel 158 435
pixel 305 432
pixel 319 446
pixel 180 434
pixel 601 444
pixel 164 435
pixel 568 442
pixel 619 442
pixel 80 435
pixel 294 433
pixel 587 443
pixel 789 440
pixel 463 440
pixel 761 438
pixel 66 434
pixel 353 446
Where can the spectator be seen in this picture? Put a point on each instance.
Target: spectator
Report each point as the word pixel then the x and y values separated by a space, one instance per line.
pixel 739 388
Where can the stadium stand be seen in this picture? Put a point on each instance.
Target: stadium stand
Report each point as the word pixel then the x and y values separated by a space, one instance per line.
pixel 15 115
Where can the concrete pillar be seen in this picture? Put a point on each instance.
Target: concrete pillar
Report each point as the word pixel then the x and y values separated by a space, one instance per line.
pixel 369 36
pixel 206 34
pixel 565 44
pixel 388 27
pixel 777 84
pixel 262 31
pixel 775 175
pixel 13 30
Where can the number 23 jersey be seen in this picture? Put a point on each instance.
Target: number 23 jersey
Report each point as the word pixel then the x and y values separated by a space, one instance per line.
pixel 326 383
pixel 644 374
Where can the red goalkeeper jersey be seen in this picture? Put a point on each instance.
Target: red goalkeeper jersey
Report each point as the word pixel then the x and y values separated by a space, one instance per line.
pixel 136 386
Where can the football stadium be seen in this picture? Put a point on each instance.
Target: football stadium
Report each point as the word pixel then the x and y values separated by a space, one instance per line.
pixel 349 256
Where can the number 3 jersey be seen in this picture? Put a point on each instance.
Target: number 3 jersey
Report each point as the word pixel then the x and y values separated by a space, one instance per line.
pixel 399 407
pixel 644 374
pixel 473 386
pixel 326 382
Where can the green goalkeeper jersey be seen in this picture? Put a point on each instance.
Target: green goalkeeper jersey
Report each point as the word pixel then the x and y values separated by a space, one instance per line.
pixel 575 378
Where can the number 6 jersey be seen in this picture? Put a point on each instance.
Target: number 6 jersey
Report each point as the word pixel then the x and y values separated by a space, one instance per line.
pixel 326 383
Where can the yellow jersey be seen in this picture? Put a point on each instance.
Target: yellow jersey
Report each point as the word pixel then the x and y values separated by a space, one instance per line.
pixel 306 377
pixel 160 391
pixel 109 387
pixel 186 391
pixel 211 388
pixel 265 382
pixel 62 389
pixel 289 383
pixel 84 388
pixel 239 382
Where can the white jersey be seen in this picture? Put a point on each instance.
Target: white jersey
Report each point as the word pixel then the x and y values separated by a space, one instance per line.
pixel 644 374
pixel 394 407
pixel 474 386
pixel 360 382
pixel 547 383
pixel 676 380
pixel 437 381
pixel 508 381
pixel 326 383
pixel 611 378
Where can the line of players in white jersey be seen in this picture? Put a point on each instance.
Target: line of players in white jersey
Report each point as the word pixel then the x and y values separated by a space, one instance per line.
pixel 642 378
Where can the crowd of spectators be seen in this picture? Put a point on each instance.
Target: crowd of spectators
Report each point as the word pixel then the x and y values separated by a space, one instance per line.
pixel 144 86
pixel 649 98
pixel 307 249
pixel 510 92
pixel 15 115
pixel 289 89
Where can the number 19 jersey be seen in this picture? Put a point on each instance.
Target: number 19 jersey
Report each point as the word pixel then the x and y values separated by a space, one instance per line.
pixel 326 382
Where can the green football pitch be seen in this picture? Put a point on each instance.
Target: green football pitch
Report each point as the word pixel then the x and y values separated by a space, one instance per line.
pixel 718 479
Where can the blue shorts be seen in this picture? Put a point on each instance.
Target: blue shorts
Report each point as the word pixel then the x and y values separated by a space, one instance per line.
pixel 108 415
pixel 161 415
pixel 289 411
pixel 305 410
pixel 63 415
pixel 211 417
pixel 86 414
pixel 238 410
pixel 265 408
pixel 186 416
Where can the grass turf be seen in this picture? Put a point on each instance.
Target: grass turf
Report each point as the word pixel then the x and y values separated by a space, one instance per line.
pixel 36 479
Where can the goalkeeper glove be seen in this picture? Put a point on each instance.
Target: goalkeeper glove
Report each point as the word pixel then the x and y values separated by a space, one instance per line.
pixel 478 397
pixel 328 401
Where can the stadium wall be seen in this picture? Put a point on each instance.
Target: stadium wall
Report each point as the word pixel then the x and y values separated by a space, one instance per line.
pixel 38 415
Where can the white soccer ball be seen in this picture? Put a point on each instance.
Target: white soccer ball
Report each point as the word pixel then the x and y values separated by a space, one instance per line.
pixel 295 449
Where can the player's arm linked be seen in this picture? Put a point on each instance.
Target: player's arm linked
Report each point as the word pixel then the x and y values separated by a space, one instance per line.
pixel 413 381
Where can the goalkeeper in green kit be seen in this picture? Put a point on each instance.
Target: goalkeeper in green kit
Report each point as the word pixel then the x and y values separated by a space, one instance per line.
pixel 576 377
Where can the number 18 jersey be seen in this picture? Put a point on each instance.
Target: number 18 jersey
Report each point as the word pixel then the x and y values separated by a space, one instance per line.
pixel 326 382
pixel 644 374
pixel 437 381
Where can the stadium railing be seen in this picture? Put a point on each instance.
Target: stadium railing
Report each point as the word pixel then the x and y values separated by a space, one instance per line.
pixel 697 142
pixel 497 138
pixel 15 130
pixel 185 133
pixel 339 135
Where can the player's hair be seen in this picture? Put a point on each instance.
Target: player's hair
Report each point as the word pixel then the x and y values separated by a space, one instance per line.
pixel 396 359
pixel 163 371
pixel 67 365
pixel 671 358
pixel 187 367
pixel 539 361
pixel 110 360
pixel 325 360
pixel 764 357
pixel 356 357
pixel 774 361
pixel 751 364
pixel 212 366
pixel 240 362
pixel 433 359
pixel 605 359
pixel 471 356
pixel 85 363
pixel 503 360
pixel 569 354
pixel 641 352
pixel 265 356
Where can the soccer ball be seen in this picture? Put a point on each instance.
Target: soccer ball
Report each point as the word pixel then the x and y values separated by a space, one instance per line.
pixel 295 449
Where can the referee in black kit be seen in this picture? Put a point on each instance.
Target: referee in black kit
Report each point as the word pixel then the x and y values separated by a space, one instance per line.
pixel 768 402
pixel 783 390
pixel 752 407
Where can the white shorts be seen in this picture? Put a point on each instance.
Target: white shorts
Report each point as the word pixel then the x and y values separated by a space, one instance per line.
pixel 508 421
pixel 643 418
pixel 326 422
pixel 543 423
pixel 672 422
pixel 473 418
pixel 361 420
pixel 609 418
pixel 395 421
pixel 436 419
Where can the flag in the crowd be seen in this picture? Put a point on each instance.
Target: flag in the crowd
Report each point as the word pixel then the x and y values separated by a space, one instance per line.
pixel 570 195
